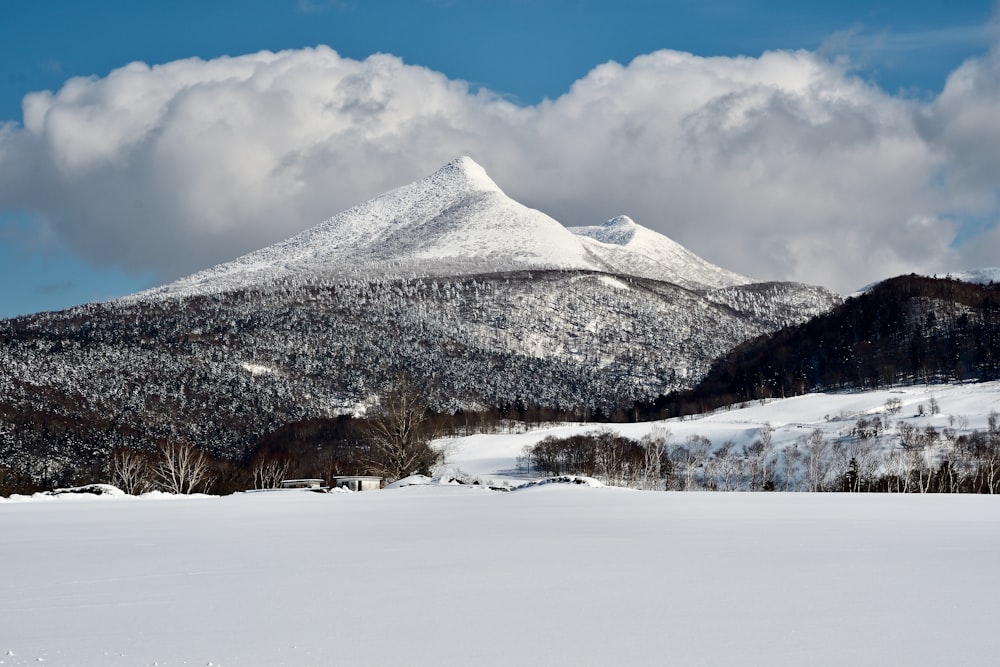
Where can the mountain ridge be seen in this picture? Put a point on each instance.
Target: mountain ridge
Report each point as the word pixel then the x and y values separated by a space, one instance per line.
pixel 624 246
pixel 456 221
pixel 488 303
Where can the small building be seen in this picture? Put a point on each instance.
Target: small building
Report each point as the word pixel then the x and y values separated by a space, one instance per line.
pixel 302 484
pixel 357 482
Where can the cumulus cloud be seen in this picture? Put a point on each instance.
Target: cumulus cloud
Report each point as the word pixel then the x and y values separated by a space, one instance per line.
pixel 783 166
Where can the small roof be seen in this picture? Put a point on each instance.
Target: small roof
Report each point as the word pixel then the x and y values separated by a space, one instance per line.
pixel 355 477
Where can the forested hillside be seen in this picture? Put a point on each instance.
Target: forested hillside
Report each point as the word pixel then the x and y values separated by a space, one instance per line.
pixel 909 329
pixel 221 371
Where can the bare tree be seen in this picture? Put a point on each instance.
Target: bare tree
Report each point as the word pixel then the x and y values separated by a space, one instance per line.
pixel 180 467
pixel 612 453
pixel 952 464
pixel 896 465
pixel 268 471
pixel 790 457
pixel 758 456
pixel 893 406
pixel 130 470
pixel 655 447
pixel 929 456
pixel 726 467
pixel 918 446
pixel 764 437
pixel 399 431
pixel 690 457
pixel 816 458
pixel 864 443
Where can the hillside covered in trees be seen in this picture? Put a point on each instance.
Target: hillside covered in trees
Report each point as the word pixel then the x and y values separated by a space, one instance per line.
pixel 220 371
pixel 906 330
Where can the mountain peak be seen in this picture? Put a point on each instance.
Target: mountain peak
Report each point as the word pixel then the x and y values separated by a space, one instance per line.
pixel 463 173
pixel 623 246
pixel 457 221
pixel 616 231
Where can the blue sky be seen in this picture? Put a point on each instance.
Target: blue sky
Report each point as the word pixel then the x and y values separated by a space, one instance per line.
pixel 522 50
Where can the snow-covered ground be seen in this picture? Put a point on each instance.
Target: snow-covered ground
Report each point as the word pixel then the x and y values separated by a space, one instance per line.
pixel 439 574
pixel 453 575
pixel 962 407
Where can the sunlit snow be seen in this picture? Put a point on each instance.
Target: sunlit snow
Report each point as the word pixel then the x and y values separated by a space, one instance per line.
pixel 962 407
pixel 457 221
pixel 451 575
pixel 438 573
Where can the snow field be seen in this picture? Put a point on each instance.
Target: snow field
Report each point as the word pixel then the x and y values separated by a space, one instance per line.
pixel 961 406
pixel 453 575
pixel 440 574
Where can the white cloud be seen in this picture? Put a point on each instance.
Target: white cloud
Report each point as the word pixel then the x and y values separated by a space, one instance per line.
pixel 964 124
pixel 782 167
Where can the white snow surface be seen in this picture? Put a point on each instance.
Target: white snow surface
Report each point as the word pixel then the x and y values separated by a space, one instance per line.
pixel 983 276
pixel 452 575
pixel 457 221
pixel 624 247
pixel 439 573
pixel 963 407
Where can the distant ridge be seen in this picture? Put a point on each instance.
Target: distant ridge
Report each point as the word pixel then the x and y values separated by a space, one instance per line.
pixel 983 276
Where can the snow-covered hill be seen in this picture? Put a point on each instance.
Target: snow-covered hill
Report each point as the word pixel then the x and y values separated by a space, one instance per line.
pixel 950 411
pixel 457 221
pixel 488 302
pixel 983 276
pixel 223 370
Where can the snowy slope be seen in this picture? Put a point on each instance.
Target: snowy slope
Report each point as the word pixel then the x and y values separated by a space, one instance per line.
pixel 446 278
pixel 624 247
pixel 454 221
pixel 457 221
pixel 961 408
pixel 983 276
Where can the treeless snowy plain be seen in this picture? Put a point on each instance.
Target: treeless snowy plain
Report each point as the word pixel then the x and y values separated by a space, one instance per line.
pixel 549 575
pixel 453 575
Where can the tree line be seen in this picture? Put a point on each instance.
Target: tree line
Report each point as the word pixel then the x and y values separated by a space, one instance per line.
pixel 873 455
pixel 391 441
pixel 223 371
pixel 905 330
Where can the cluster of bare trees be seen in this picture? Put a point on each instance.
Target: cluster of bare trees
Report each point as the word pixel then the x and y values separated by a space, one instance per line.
pixel 872 455
pixel 696 463
pixel 176 467
pixel 654 462
pixel 394 441
pixel 911 459
pixel 605 455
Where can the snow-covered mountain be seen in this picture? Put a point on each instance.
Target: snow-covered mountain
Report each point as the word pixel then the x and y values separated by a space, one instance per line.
pixel 457 221
pixel 622 246
pixel 490 304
